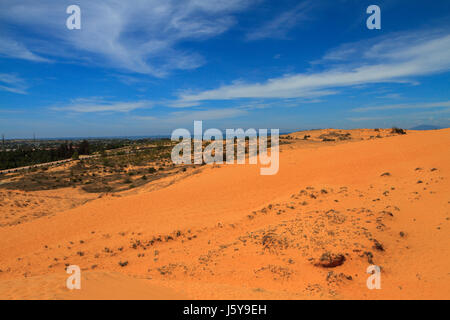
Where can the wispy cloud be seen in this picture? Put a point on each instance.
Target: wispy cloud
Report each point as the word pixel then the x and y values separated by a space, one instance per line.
pixel 212 114
pixel 142 36
pixel 437 117
pixel 442 104
pixel 13 49
pixel 12 83
pixel 186 117
pixel 182 104
pixel 391 96
pixel 128 80
pixel 397 58
pixel 283 23
pixel 364 119
pixel 95 105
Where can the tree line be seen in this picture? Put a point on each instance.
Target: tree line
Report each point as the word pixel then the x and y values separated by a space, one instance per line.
pixel 28 155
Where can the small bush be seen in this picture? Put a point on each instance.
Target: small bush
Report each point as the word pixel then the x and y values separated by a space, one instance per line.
pixel 127 180
pixel 398 130
pixel 123 264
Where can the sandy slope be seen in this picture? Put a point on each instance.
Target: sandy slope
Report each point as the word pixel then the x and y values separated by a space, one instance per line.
pixel 228 232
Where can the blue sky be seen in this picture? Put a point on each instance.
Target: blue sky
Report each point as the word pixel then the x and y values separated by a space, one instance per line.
pixel 147 67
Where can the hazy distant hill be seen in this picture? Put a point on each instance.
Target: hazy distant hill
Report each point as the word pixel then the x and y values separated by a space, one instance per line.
pixel 426 127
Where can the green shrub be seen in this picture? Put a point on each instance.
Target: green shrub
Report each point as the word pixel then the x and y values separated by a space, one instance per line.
pixel 398 130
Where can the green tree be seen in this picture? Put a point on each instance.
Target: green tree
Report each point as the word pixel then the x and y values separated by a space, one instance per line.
pixel 84 147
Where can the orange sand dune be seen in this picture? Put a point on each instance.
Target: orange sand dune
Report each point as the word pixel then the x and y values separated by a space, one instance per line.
pixel 95 285
pixel 228 232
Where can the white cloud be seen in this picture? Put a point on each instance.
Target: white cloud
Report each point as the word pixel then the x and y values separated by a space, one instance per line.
pixel 12 83
pixel 387 59
pixel 98 105
pixel 142 36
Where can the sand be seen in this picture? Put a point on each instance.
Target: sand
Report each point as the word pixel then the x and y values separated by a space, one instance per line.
pixel 227 232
